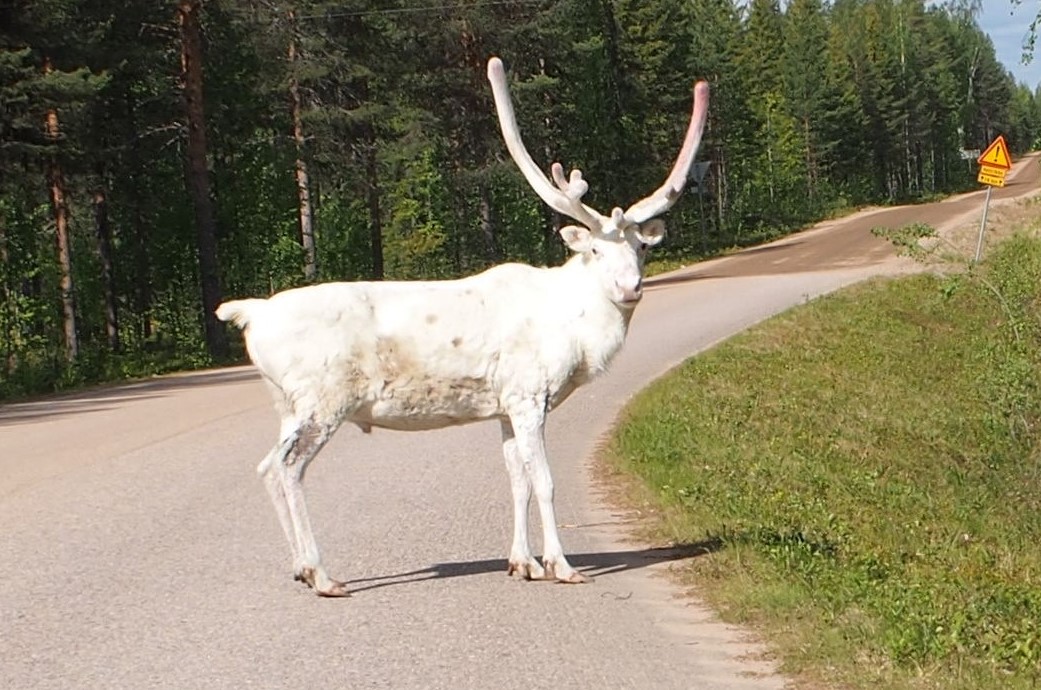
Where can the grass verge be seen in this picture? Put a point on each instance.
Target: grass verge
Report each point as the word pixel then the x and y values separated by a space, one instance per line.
pixel 870 465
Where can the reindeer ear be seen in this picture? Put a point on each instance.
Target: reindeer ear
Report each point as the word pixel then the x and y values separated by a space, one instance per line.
pixel 577 238
pixel 652 232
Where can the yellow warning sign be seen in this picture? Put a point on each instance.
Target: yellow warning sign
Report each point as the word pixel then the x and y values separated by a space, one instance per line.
pixel 996 155
pixel 995 177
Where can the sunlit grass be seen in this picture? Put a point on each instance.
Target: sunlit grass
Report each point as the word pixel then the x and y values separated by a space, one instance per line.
pixel 870 464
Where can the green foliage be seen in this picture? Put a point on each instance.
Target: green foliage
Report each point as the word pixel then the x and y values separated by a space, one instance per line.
pixel 907 239
pixel 416 235
pixel 868 463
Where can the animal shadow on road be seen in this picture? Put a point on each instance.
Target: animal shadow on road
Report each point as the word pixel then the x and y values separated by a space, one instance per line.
pixel 593 564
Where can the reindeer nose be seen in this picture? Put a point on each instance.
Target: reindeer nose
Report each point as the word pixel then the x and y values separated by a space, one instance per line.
pixel 631 293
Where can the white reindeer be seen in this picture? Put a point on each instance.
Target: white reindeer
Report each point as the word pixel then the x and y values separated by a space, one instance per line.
pixel 511 344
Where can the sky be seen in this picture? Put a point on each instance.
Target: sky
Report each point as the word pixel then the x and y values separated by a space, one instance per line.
pixel 1007 25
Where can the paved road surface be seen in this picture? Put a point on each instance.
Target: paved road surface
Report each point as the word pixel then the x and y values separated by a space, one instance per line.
pixel 138 549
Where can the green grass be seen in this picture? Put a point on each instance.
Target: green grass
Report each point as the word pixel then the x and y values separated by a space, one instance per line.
pixel 870 465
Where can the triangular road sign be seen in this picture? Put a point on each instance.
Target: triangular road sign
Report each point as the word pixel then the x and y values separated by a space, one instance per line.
pixel 698 170
pixel 996 155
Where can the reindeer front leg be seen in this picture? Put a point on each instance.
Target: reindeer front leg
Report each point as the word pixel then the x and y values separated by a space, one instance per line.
pixel 529 429
pixel 521 561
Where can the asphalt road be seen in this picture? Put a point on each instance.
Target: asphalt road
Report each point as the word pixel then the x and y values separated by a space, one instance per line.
pixel 139 550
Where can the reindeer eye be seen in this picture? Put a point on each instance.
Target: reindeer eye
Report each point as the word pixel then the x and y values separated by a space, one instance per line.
pixel 643 246
pixel 595 251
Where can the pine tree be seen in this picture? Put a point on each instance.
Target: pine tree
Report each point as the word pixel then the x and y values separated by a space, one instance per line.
pixel 44 94
pixel 805 42
pixel 198 172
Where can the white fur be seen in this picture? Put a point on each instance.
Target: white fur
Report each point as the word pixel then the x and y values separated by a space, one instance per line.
pixel 510 344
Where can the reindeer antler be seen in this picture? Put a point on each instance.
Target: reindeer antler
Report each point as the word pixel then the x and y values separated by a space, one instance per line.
pixel 566 197
pixel 665 196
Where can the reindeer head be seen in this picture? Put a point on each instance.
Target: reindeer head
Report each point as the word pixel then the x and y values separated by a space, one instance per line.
pixel 614 246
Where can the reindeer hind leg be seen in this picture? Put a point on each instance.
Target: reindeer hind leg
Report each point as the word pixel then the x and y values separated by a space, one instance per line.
pixel 269 473
pixel 308 439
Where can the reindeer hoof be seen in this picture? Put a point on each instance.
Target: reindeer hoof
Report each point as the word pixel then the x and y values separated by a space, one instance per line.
pixel 568 576
pixel 575 578
pixel 526 570
pixel 322 584
pixel 333 589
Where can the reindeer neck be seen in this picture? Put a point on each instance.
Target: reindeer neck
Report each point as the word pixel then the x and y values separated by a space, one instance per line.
pixel 600 325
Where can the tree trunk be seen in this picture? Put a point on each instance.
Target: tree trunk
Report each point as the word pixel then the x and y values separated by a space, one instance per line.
pixel 811 162
pixel 770 151
pixel 551 230
pixel 56 183
pixel 909 177
pixel 142 285
pixel 142 270
pixel 484 210
pixel 372 187
pixel 722 189
pixel 10 307
pixel 108 281
pixel 919 167
pixel 460 222
pixel 199 174
pixel 617 143
pixel 303 186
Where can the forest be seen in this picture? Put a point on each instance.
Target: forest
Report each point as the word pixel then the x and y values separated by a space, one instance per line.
pixel 160 156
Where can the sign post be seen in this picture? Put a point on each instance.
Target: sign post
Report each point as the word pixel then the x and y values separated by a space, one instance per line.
pixel 983 227
pixel 994 162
